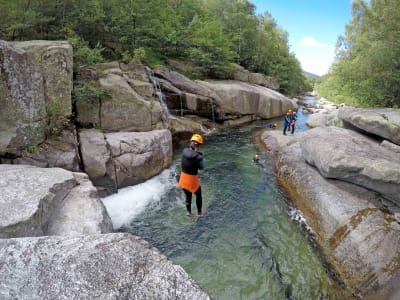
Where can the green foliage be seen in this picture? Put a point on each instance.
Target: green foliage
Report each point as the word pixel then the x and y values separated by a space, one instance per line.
pixel 56 118
pixel 139 56
pixel 367 69
pixel 83 54
pixel 29 150
pixel 207 34
pixel 90 93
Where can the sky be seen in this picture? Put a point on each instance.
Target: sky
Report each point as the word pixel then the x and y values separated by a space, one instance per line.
pixel 313 27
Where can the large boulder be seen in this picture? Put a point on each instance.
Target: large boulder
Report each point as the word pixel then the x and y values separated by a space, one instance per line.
pixel 222 100
pixel 349 156
pixel 357 230
pixel 241 74
pixel 108 266
pixel 329 118
pixel 130 105
pixel 138 156
pixel 43 201
pixel 383 122
pixel 239 98
pixel 183 83
pixel 120 159
pixel 35 90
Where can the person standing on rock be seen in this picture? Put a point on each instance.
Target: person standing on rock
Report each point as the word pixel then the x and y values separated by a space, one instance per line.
pixel 293 119
pixel 290 123
pixel 286 123
pixel 192 161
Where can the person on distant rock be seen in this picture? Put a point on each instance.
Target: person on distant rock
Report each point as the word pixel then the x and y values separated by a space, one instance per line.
pixel 286 122
pixel 293 120
pixel 192 161
pixel 256 157
pixel 290 113
pixel 272 126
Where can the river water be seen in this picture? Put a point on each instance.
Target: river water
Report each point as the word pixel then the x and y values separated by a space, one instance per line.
pixel 251 244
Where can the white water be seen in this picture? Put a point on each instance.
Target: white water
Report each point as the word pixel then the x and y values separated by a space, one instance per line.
pixel 130 202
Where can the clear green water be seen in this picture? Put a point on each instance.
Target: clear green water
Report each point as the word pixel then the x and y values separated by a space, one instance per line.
pixel 247 246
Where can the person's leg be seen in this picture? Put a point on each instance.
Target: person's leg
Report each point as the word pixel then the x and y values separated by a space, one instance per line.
pixel 188 201
pixel 199 201
pixel 293 128
pixel 284 129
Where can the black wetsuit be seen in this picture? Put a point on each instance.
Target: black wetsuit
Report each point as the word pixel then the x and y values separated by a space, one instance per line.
pixel 191 162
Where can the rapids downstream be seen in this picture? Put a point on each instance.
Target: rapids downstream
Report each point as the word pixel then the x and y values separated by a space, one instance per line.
pixel 251 244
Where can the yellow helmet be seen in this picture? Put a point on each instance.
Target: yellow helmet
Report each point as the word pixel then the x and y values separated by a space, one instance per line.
pixel 197 138
pixel 289 110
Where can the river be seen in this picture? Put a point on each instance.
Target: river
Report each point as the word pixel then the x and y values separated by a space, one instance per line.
pixel 251 244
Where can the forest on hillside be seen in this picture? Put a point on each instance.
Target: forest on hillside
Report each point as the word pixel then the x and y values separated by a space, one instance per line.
pixel 367 67
pixel 209 36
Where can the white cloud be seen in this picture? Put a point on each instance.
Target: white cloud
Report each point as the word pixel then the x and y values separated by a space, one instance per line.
pixel 314 56
pixel 311 42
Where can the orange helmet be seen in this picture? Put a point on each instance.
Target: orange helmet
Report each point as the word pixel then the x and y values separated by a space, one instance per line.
pixel 197 138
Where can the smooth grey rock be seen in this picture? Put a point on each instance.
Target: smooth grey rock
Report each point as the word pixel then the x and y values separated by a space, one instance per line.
pixel 81 213
pixel 357 233
pixel 96 156
pixel 390 146
pixel 383 122
pixel 241 74
pixel 28 198
pixel 107 266
pixel 138 156
pixel 324 119
pixel 119 159
pixel 239 98
pixel 33 200
pixel 347 155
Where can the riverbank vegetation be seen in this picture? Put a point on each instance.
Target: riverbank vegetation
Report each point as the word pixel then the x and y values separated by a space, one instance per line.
pixel 208 36
pixel 367 68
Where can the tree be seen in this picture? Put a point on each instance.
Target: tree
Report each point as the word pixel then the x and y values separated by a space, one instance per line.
pixel 366 71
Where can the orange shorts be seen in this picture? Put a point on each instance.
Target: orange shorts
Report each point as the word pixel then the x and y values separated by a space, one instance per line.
pixel 189 182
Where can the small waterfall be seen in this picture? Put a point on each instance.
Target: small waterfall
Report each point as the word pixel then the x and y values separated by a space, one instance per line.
pixel 212 112
pixel 157 91
pixel 180 98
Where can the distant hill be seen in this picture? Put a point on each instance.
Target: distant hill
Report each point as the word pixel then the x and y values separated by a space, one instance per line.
pixel 311 75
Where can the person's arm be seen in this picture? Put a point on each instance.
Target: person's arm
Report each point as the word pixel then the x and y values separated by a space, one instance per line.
pixel 201 163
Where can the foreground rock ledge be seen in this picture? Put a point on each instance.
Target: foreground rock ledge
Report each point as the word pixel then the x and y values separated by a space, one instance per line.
pixel 49 201
pixel 108 266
